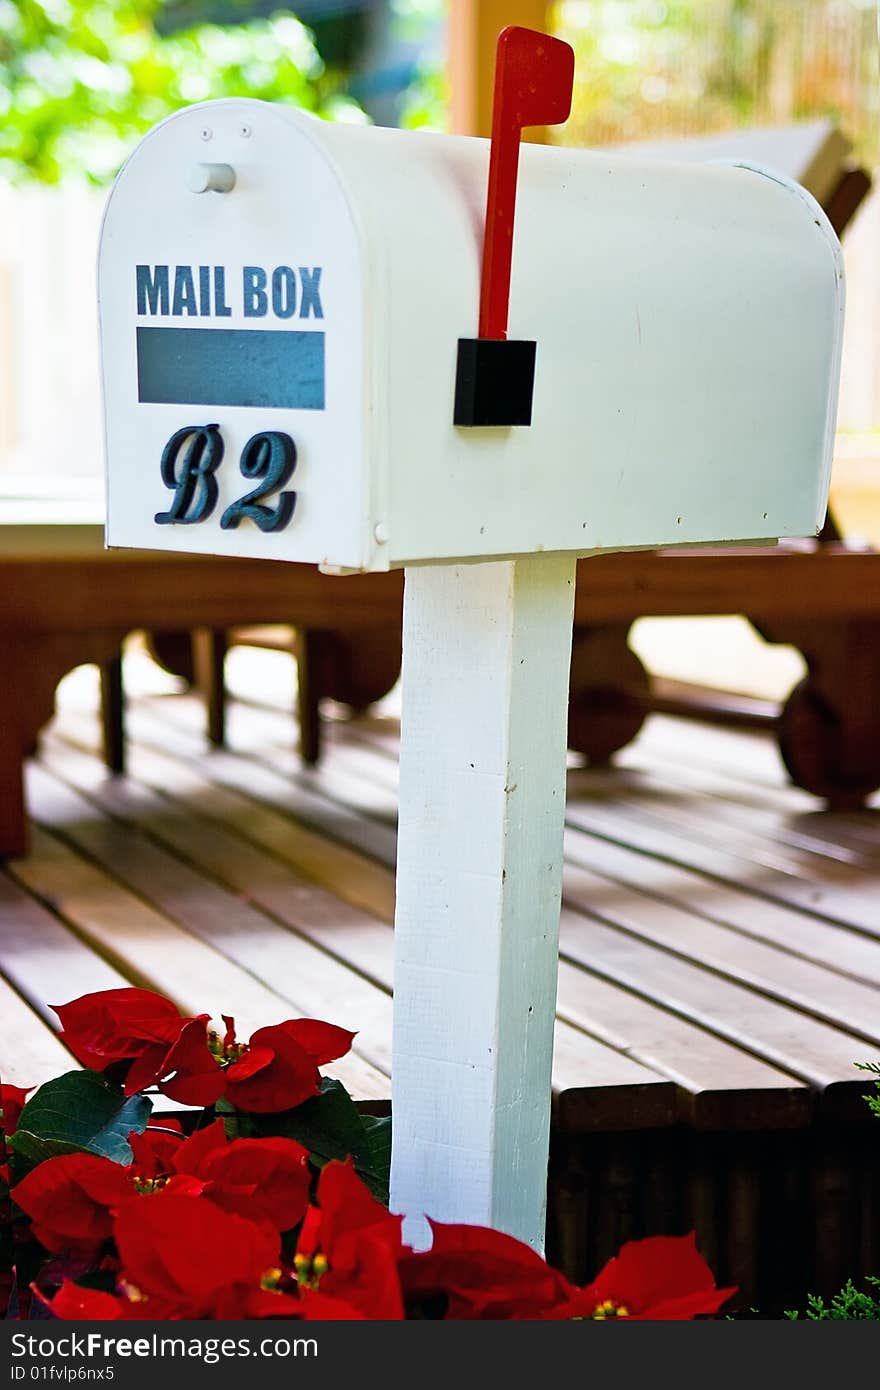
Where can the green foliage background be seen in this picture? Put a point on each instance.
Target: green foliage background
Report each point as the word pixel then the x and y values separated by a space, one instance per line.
pixel 82 80
pixel 851 1304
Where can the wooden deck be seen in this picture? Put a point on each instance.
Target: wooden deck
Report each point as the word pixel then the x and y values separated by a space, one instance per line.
pixel 720 950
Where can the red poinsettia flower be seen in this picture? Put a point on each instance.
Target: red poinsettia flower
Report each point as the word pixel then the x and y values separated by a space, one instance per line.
pixel 348 1252
pixel 278 1068
pixel 182 1258
pixel 117 1025
pixel 146 1030
pixel 472 1272
pixel 662 1278
pixel 186 1071
pixel 12 1102
pixel 72 1199
pixel 262 1179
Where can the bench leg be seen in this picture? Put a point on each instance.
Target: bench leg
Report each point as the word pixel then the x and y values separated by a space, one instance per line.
pixel 354 668
pixel 313 655
pixel 13 820
pixel 829 728
pixel 173 651
pixel 32 669
pixel 608 693
pixel 361 667
pixel 209 659
pixel 113 713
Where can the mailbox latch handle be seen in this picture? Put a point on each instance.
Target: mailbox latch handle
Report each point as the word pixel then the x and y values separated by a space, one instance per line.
pixel 211 178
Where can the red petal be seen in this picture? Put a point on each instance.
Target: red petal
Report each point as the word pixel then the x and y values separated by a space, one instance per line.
pixel 202 1090
pixel 188 1055
pixel 324 1042
pixel 70 1198
pixel 166 1122
pixel 184 1185
pixel 309 1242
pixel 253 1061
pixel 485 1274
pixel 321 1307
pixel 193 1152
pixel 125 1004
pixel 263 1303
pixel 184 1248
pixel 348 1205
pixel 688 1306
pixel 153 1152
pixel 146 1069
pixel 197 1078
pixel 652 1271
pixel 12 1102
pixel 87 1305
pixel 701 1301
pixel 112 1024
pixel 484 1243
pixel 263 1179
pixel 290 1078
pixel 364 1271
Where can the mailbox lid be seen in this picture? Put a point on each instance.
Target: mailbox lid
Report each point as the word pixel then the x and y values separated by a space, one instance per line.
pixel 688 322
pixel 243 311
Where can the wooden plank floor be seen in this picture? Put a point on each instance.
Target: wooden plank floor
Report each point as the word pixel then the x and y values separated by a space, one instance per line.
pixel 720 941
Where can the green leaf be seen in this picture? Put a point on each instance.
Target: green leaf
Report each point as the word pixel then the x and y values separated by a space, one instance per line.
pixel 80 1112
pixel 378 1132
pixel 850 1304
pixel 330 1126
pixel 104 1280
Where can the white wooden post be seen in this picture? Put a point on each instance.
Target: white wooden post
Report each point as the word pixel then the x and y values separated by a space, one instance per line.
pixel 482 797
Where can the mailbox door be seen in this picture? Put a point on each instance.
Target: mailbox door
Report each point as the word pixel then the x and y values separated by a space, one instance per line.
pixel 688 324
pixel 232 327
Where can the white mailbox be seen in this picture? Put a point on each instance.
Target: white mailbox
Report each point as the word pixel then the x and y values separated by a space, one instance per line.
pixel 281 306
pixel 306 357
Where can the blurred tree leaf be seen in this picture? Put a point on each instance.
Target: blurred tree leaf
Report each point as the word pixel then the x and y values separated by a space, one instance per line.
pixel 654 69
pixel 82 80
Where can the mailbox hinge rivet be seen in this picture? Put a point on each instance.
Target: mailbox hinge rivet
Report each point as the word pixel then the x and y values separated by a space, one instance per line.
pixel 211 178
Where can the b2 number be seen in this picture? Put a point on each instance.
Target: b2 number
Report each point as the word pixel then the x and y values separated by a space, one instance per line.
pixel 190 460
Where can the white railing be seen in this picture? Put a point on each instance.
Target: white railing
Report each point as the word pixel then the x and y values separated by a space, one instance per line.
pixel 860 384
pixel 50 416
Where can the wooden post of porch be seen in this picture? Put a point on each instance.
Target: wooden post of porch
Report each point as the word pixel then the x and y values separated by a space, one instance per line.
pixel 474 26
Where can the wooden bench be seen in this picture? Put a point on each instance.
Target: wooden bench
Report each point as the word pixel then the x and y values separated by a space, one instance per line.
pixel 65 601
pixel 828 729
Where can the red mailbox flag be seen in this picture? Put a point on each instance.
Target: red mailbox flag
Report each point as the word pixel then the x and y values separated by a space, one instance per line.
pixel 534 77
